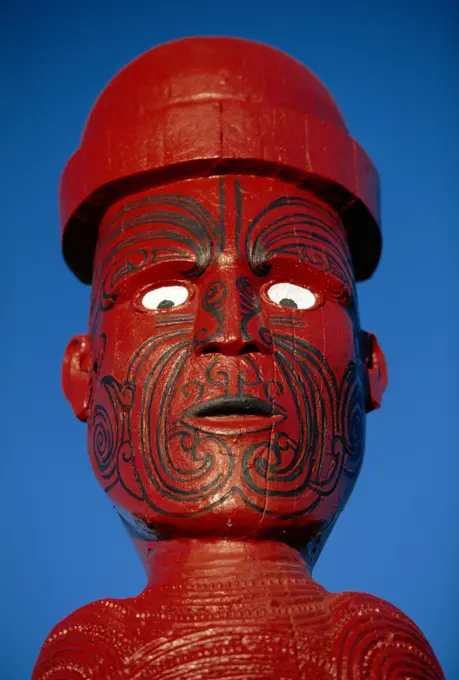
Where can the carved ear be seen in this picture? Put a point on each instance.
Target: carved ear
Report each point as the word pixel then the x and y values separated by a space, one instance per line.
pixel 76 373
pixel 376 368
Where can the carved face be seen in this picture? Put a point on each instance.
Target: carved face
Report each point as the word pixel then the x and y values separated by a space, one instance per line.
pixel 228 389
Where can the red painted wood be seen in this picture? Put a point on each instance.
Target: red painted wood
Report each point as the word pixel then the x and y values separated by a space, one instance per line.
pixel 199 105
pixel 228 430
pixel 241 610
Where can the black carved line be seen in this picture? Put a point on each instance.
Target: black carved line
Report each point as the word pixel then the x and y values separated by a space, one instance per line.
pixel 195 231
pixel 310 362
pixel 238 216
pixel 318 399
pixel 110 435
pixel 173 478
pixel 286 320
pixel 351 416
pixel 217 375
pixel 145 349
pixel 212 303
pixel 198 231
pixel 171 320
pixel 249 302
pixel 319 249
pixel 242 378
pixel 274 232
pixel 196 213
pixel 306 374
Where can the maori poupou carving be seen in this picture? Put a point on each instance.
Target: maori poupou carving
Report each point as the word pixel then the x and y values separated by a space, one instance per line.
pixel 223 216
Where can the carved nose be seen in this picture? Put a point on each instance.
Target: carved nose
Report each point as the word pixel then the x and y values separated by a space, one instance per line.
pixel 230 321
pixel 229 348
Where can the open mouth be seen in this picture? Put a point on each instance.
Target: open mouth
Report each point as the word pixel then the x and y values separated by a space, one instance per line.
pixel 234 415
pixel 229 407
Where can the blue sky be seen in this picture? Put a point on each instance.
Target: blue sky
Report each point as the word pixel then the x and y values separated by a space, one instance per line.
pixel 392 68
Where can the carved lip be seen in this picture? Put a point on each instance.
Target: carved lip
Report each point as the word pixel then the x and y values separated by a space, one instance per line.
pixel 234 415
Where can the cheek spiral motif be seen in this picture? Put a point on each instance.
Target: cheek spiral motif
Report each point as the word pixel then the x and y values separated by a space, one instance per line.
pixel 317 443
pixel 108 433
pixel 173 462
pixel 105 442
pixel 308 460
pixel 183 464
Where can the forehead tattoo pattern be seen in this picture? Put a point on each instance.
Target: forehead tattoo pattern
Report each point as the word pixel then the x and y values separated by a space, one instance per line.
pixel 175 468
pixel 141 232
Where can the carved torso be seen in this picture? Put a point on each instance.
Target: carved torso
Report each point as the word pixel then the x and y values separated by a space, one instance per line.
pixel 228 618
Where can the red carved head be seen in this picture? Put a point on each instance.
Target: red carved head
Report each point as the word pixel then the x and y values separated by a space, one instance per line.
pixel 225 378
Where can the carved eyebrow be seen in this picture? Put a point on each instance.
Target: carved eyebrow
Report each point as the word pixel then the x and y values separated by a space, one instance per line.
pixel 166 217
pixel 148 248
pixel 289 224
pixel 320 252
pixel 339 268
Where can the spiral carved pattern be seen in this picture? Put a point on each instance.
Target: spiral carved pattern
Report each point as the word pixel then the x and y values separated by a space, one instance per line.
pixel 105 441
pixel 329 417
pixel 321 442
pixel 189 473
pixel 282 627
pixel 376 640
pixel 186 465
pixel 109 429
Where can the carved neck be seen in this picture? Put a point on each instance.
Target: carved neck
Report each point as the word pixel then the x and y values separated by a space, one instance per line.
pixel 184 559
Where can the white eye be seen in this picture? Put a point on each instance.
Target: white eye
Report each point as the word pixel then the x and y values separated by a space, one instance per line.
pixel 289 295
pixel 165 297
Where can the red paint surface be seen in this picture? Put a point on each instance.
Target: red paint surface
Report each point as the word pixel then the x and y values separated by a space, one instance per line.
pixel 228 430
pixel 188 476
pixel 237 610
pixel 202 106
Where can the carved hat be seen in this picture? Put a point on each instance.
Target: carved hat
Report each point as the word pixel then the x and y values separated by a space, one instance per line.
pixel 205 106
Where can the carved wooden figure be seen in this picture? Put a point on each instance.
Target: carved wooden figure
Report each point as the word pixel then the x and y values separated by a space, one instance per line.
pixel 223 215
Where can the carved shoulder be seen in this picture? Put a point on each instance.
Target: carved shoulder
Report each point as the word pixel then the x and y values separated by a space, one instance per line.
pixel 367 639
pixel 374 640
pixel 85 643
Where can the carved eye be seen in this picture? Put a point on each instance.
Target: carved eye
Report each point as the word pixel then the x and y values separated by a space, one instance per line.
pixel 290 295
pixel 165 297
